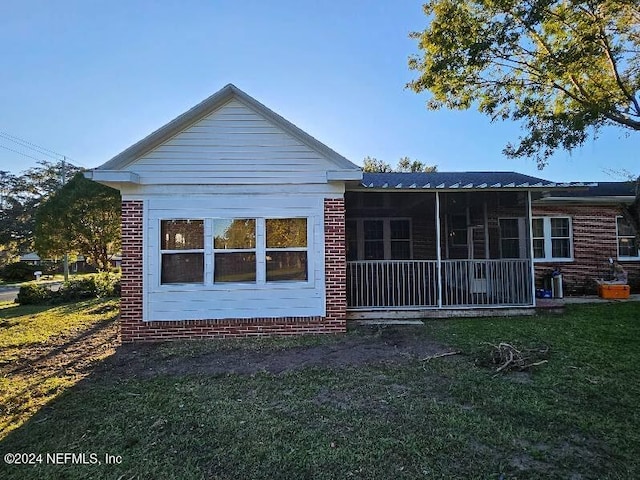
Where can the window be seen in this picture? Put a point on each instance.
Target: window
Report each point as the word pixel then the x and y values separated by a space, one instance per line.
pixel 379 239
pixel 510 237
pixel 458 230
pixel 552 238
pixel 182 251
pixel 286 252
pixel 234 250
pixel 627 242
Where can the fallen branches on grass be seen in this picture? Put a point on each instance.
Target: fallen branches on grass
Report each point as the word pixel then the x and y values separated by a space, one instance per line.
pixel 505 357
pixel 439 355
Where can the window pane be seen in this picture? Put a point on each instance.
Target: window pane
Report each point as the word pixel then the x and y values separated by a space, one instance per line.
pixel 400 250
pixel 286 232
pixel 559 227
pixel 282 266
pixel 538 227
pixel 624 228
pixel 236 233
pixel 627 247
pixel 509 228
pixel 181 234
pixel 560 248
pixel 538 248
pixel 182 268
pixel 373 229
pixel 510 248
pixel 235 267
pixel 374 250
pixel 400 229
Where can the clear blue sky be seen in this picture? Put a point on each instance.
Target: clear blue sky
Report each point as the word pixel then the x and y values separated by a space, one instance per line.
pixel 89 78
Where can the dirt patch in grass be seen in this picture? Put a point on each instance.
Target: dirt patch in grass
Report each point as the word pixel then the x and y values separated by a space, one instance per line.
pixel 365 346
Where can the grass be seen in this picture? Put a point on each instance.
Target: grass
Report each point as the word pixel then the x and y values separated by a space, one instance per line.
pixel 575 417
pixel 39 353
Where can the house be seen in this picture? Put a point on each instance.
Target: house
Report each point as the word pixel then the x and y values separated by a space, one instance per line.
pixel 238 223
pixel 578 231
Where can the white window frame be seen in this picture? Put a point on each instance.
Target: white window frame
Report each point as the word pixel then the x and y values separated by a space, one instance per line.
pixel 523 249
pixel 618 237
pixel 386 235
pixel 284 249
pixel 548 248
pixel 162 251
pixel 260 251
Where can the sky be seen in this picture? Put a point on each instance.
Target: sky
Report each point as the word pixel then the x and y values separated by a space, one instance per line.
pixel 88 78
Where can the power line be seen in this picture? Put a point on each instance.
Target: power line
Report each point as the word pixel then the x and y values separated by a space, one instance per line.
pixel 37 148
pixel 28 144
pixel 21 153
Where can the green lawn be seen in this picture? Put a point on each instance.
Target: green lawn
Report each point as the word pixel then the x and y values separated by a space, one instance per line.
pixel 575 417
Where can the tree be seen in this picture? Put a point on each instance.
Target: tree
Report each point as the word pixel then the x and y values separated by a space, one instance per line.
pixel 563 68
pixel 20 196
pixel 373 165
pixel 83 217
pixel 560 67
pixel 405 164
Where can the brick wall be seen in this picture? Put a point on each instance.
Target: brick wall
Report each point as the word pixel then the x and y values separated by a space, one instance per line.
pixel 133 329
pixel 594 241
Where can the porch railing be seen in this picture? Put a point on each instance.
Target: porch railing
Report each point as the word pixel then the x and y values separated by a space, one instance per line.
pixel 392 283
pixel 414 283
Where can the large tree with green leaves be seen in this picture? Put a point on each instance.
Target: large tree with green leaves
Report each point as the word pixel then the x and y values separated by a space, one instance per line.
pixel 83 217
pixel 21 195
pixel 562 68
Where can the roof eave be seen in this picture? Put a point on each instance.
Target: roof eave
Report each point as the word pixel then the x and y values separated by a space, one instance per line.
pixel 112 176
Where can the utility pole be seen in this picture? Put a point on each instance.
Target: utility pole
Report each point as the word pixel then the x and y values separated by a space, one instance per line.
pixel 65 261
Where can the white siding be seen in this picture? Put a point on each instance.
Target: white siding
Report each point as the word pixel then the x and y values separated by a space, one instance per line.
pixel 218 301
pixel 232 146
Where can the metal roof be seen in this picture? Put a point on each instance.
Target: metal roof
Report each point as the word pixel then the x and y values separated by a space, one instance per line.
pixel 460 181
pixel 602 189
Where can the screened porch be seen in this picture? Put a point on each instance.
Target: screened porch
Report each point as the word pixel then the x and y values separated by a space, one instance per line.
pixel 408 250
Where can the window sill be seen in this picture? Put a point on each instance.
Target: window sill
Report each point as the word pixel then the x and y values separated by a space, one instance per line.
pixel 553 260
pixel 221 287
pixel 629 259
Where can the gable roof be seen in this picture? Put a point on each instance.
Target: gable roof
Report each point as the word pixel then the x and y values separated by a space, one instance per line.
pixel 207 107
pixel 458 180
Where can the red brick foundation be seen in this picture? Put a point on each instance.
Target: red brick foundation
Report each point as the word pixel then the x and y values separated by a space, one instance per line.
pixel 594 241
pixel 133 329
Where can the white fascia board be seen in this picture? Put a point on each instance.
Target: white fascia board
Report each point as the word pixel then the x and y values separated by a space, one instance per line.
pixel 338 175
pixel 584 200
pixel 112 176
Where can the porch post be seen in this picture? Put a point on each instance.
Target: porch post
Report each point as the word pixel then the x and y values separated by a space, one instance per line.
pixel 438 250
pixel 530 233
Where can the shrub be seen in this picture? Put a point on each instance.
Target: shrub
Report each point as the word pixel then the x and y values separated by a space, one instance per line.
pixel 90 286
pixel 18 272
pixel 34 294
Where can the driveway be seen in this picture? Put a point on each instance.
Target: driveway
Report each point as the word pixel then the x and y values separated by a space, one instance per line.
pixel 8 294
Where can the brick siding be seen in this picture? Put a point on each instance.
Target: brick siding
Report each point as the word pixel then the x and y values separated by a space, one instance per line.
pixel 133 329
pixel 594 241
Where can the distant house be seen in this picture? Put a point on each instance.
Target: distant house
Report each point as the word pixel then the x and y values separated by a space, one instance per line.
pixel 237 223
pixel 30 258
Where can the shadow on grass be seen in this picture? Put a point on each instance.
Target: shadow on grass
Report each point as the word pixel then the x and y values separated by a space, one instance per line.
pixel 44 370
